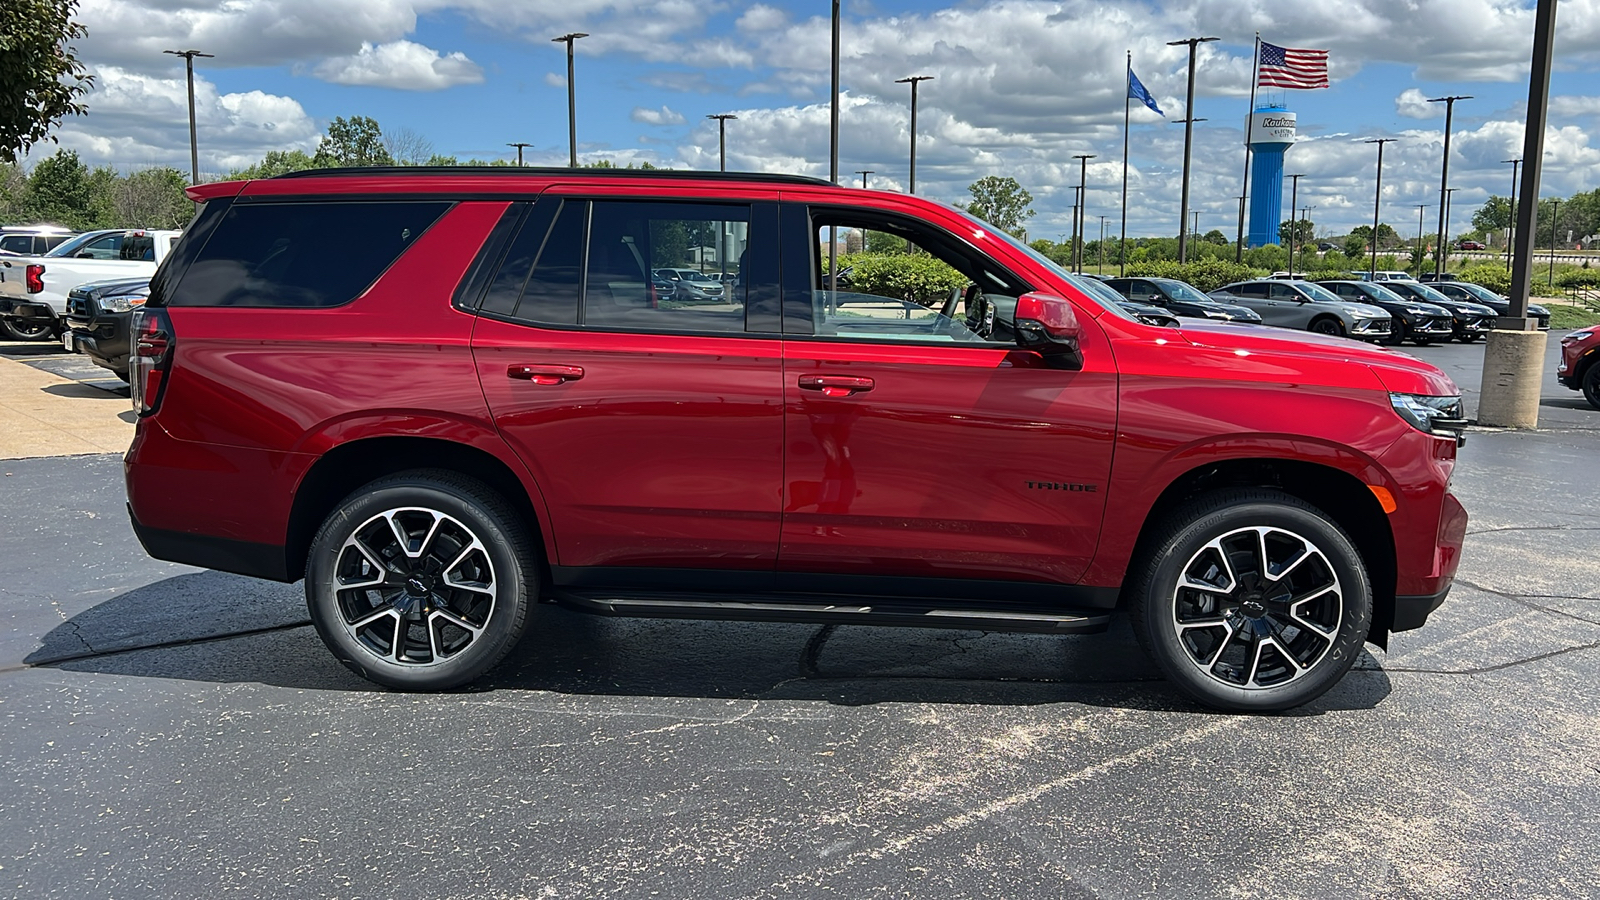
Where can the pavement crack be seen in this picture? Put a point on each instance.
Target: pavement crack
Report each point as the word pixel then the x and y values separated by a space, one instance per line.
pixel 1523 600
pixel 1534 528
pixel 161 645
pixel 1499 667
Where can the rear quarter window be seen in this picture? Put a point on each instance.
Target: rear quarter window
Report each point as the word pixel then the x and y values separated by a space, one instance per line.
pixel 302 254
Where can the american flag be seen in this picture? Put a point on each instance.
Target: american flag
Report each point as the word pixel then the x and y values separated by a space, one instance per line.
pixel 1286 67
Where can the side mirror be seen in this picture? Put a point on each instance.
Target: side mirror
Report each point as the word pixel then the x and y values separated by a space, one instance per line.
pixel 1048 325
pixel 83 254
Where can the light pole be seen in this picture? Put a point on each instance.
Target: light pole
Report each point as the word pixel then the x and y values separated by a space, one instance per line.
pixel 1188 142
pixel 864 173
pixel 519 145
pixel 1555 219
pixel 1422 254
pixel 1449 198
pixel 1444 173
pixel 1511 226
pixel 1377 200
pixel 194 146
pixel 1083 201
pixel 572 97
pixel 913 81
pixel 1195 229
pixel 722 139
pixel 1072 249
pixel 1102 244
pixel 1294 200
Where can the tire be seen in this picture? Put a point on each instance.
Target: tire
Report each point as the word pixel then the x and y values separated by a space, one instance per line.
pixel 1240 663
pixel 1468 338
pixel 462 586
pixel 1326 325
pixel 1591 384
pixel 14 330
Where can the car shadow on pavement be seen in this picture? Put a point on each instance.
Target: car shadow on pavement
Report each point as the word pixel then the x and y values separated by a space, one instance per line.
pixel 213 627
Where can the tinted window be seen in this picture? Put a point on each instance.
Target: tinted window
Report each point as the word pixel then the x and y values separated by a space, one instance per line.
pixel 1283 292
pixel 17 243
pixel 629 240
pixel 1248 290
pixel 301 254
pixel 551 294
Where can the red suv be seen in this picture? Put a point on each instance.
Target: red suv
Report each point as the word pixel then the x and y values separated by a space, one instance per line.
pixel 442 395
pixel 1579 368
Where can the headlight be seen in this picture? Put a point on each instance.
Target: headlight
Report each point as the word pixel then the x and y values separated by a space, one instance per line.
pixel 1215 314
pixel 1578 336
pixel 121 302
pixel 1435 415
pixel 1359 313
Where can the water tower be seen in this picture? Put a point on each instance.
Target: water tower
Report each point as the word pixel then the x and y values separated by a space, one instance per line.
pixel 1271 132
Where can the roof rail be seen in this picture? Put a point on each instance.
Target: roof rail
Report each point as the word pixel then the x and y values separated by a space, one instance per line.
pixel 553 171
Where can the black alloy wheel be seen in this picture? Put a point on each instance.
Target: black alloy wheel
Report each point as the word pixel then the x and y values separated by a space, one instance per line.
pixel 1328 325
pixel 421 580
pixel 18 330
pixel 1251 600
pixel 1591 384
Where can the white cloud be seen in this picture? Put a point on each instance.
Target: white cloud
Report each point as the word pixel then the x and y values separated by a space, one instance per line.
pixel 762 17
pixel 663 116
pixel 1573 107
pixel 403 65
pixel 554 80
pixel 1413 104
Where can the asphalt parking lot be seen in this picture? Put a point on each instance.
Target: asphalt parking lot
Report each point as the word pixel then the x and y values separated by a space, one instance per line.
pixel 171 732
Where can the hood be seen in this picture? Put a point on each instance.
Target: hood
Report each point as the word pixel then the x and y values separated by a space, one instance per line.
pixel 111 287
pixel 1398 372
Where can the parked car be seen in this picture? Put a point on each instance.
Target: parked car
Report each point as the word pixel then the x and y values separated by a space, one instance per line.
pixel 1384 275
pixel 98 315
pixel 1470 245
pixel 1474 293
pixel 1182 299
pixel 1301 304
pixel 1325 246
pixel 1471 320
pixel 1579 368
pixel 32 240
pixel 1100 288
pixel 436 424
pixel 33 290
pixel 1422 323
pixel 692 285
pixel 1429 277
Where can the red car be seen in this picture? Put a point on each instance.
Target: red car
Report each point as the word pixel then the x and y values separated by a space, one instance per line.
pixel 1579 368
pixel 442 395
pixel 1469 245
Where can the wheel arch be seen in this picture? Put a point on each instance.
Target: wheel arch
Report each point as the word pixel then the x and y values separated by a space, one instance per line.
pixel 348 466
pixel 1328 317
pixel 1334 491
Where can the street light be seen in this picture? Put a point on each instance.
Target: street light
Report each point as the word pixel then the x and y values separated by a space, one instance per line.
pixel 194 146
pixel 1188 138
pixel 1511 227
pixel 1555 219
pixel 913 81
pixel 1444 173
pixel 1449 199
pixel 519 145
pixel 1102 244
pixel 864 173
pixel 722 139
pixel 1422 257
pixel 1294 200
pixel 572 97
pixel 1377 200
pixel 1078 216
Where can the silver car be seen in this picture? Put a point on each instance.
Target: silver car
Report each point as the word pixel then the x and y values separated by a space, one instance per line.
pixel 1301 304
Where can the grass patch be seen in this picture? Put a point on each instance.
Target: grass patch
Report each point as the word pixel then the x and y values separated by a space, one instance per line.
pixel 1566 318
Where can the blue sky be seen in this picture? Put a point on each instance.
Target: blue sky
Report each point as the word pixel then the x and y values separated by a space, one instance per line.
pixel 1021 86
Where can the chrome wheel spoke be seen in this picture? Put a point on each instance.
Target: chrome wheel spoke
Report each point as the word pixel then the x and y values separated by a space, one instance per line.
pixel 375 615
pixel 457 621
pixel 379 570
pixel 1202 623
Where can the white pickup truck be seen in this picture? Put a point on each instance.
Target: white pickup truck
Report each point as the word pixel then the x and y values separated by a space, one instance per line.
pixel 33 289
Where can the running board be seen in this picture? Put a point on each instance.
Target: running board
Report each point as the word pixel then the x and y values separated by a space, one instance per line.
pixel 818 611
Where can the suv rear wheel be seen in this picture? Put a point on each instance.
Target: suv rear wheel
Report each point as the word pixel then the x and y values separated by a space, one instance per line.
pixel 421 580
pixel 18 330
pixel 1252 601
pixel 1591 384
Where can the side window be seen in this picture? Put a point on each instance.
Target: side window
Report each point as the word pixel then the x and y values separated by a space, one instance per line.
pixel 108 247
pixel 631 243
pixel 1283 292
pixel 539 278
pixel 1146 289
pixel 302 254
pixel 904 281
pixel 1256 289
pixel 17 243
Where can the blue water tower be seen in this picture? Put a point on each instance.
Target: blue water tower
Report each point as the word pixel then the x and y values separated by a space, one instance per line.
pixel 1271 132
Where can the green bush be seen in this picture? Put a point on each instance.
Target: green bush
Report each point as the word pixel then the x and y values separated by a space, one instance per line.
pixel 1581 278
pixel 1205 274
pixel 915 277
pixel 1492 276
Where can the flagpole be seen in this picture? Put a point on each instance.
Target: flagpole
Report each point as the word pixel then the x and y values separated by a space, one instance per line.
pixel 1249 134
pixel 1122 247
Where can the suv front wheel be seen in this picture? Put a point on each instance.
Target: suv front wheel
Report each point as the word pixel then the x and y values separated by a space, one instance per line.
pixel 421 580
pixel 1252 601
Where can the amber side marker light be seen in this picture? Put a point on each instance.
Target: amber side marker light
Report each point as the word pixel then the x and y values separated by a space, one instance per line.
pixel 1385 499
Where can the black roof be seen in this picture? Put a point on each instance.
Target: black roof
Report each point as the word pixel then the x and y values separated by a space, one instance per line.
pixel 555 171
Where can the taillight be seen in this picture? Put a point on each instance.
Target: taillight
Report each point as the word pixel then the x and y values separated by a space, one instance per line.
pixel 35 278
pixel 149 358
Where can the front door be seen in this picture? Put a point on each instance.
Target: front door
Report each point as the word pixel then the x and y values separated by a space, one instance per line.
pixel 920 440
pixel 652 425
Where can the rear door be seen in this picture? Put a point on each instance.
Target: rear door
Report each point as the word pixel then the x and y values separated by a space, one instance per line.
pixel 919 446
pixel 653 424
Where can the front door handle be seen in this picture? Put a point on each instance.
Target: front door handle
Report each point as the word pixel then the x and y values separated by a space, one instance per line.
pixel 545 374
pixel 835 385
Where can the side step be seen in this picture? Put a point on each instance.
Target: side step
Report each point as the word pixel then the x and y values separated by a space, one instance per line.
pixel 829 611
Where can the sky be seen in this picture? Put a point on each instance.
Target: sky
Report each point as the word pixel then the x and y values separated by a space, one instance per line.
pixel 1020 87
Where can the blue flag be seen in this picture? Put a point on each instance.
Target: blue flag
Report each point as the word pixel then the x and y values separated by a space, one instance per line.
pixel 1137 91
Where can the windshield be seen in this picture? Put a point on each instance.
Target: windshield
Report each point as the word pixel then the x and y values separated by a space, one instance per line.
pixel 1424 293
pixel 1379 292
pixel 1479 291
pixel 1318 292
pixel 1178 290
pixel 71 246
pixel 1110 299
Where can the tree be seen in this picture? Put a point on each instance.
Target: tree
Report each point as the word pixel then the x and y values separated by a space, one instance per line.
pixel 1215 236
pixel 408 147
pixel 40 76
pixel 1493 215
pixel 356 141
pixel 1303 231
pixel 1002 202
pixel 59 191
pixel 884 242
pixel 152 198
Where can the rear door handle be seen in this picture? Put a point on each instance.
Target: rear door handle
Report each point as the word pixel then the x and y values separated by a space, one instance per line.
pixel 835 385
pixel 545 374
